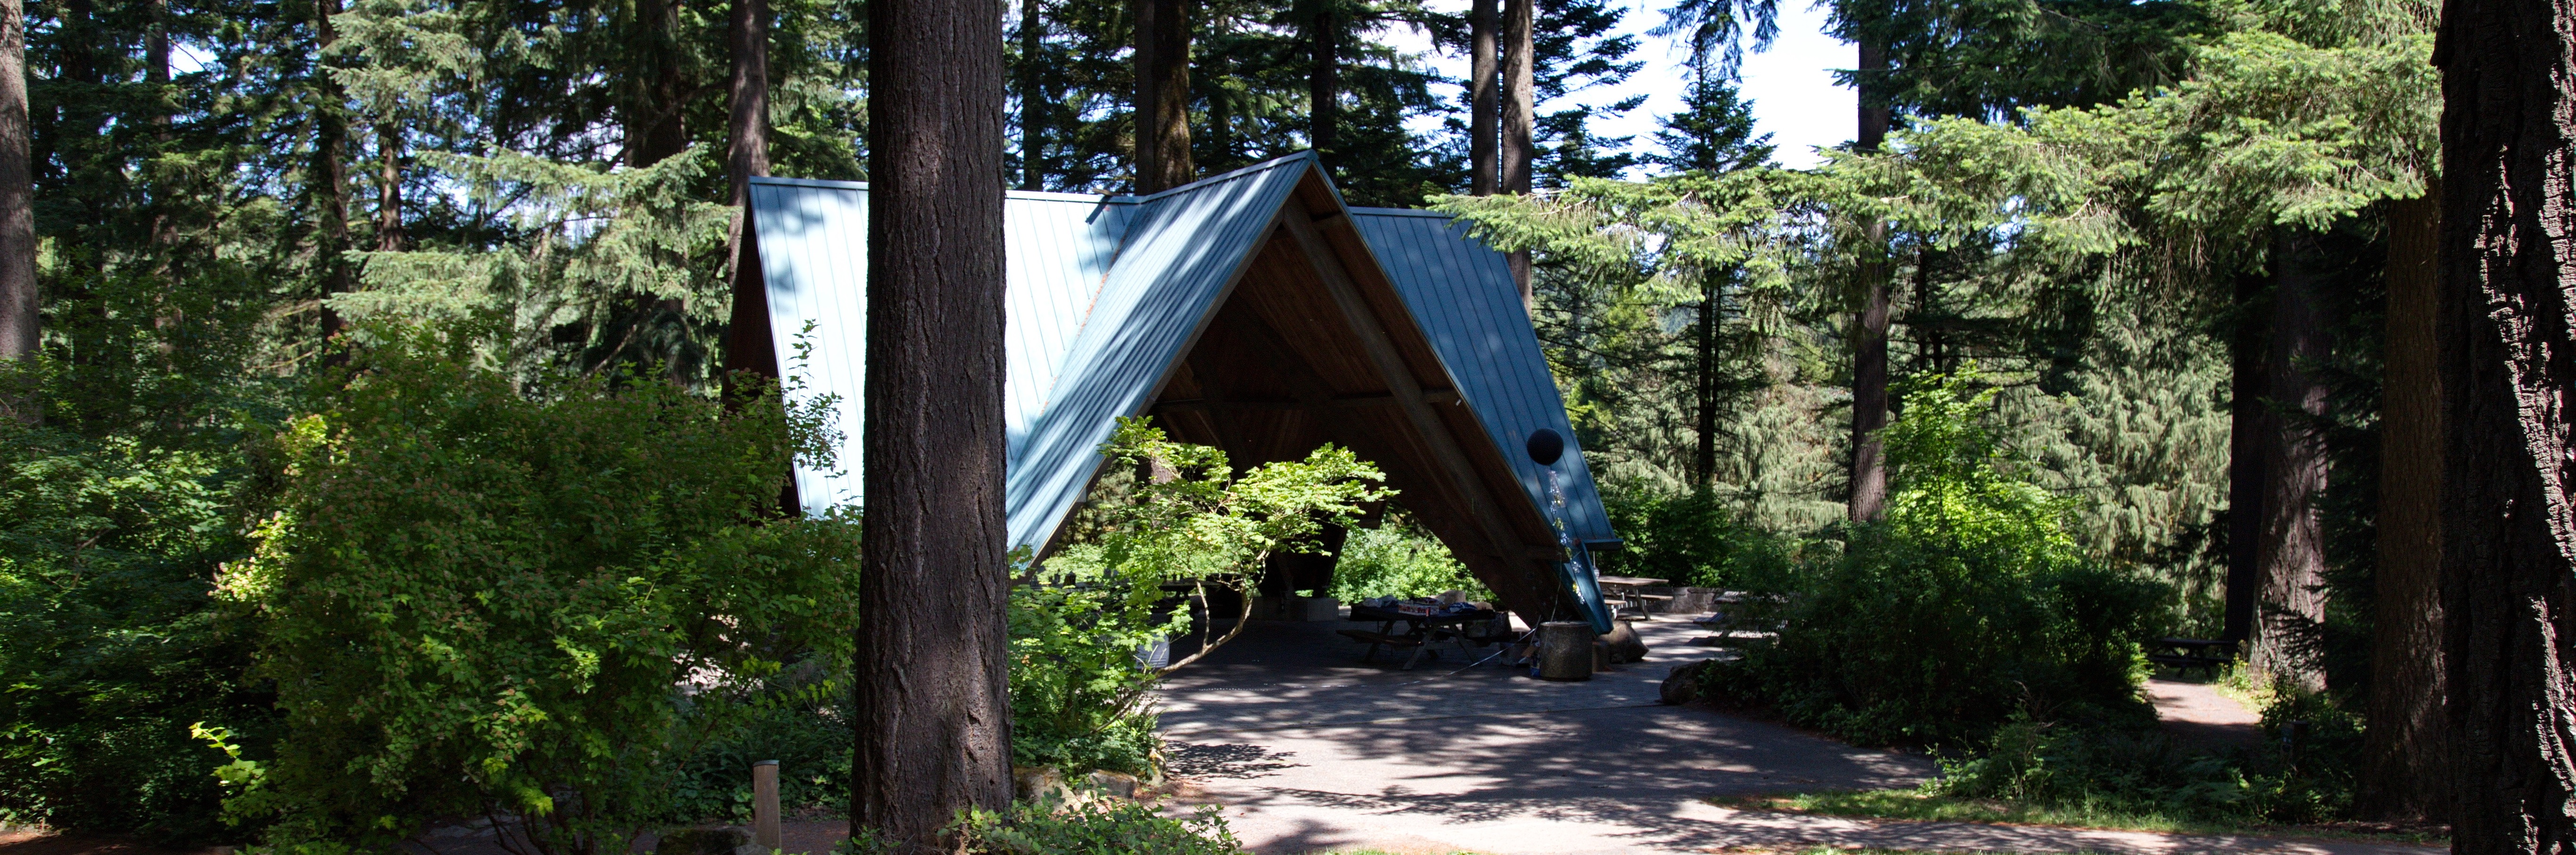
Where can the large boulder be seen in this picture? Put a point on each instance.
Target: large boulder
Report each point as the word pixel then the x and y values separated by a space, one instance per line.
pixel 1624 644
pixel 1682 685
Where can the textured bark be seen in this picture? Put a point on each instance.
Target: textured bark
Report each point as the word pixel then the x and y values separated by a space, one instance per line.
pixel 2403 755
pixel 2292 560
pixel 1704 456
pixel 2507 328
pixel 748 346
pixel 653 114
pixel 1032 86
pixel 1483 102
pixel 1869 324
pixel 330 171
pixel 18 303
pixel 1324 84
pixel 2248 420
pixel 1162 95
pixel 389 222
pixel 932 712
pixel 1519 116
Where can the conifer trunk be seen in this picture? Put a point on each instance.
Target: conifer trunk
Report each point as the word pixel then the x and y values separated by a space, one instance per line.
pixel 2292 552
pixel 1032 95
pixel 932 712
pixel 1704 456
pixel 18 298
pixel 1519 118
pixel 330 170
pixel 2248 421
pixel 1869 324
pixel 2508 375
pixel 1162 95
pixel 1324 83
pixel 389 149
pixel 2403 756
pixel 1482 100
pixel 748 345
pixel 653 117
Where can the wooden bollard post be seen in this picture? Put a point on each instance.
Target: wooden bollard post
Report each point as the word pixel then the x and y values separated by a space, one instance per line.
pixel 764 806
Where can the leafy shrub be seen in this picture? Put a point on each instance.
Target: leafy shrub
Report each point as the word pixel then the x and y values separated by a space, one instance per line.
pixel 1695 538
pixel 1967 604
pixel 2140 772
pixel 1399 559
pixel 810 739
pixel 1104 827
pixel 477 600
pixel 1077 621
pixel 109 646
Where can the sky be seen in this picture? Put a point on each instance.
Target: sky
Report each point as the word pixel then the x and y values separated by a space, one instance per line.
pixel 1791 85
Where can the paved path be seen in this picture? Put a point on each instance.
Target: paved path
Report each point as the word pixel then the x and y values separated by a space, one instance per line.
pixel 1309 750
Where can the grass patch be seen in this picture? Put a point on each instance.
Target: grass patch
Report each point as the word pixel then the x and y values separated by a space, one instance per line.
pixel 1916 805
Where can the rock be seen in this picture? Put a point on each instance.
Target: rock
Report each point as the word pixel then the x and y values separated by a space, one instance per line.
pixel 1682 685
pixel 1624 644
pixel 1105 783
pixel 704 841
pixel 1040 785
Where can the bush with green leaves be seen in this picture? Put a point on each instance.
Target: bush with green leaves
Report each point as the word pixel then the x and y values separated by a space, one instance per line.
pixel 480 599
pixel 1078 619
pixel 1399 559
pixel 2136 771
pixel 1695 538
pixel 1095 827
pixel 109 645
pixel 1967 604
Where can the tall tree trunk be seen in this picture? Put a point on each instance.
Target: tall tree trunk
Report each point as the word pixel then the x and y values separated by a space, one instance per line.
pixel 2403 752
pixel 156 61
pixel 18 303
pixel 1323 82
pixel 1482 99
pixel 2508 342
pixel 654 130
pixel 1520 117
pixel 1162 95
pixel 2248 422
pixel 1869 323
pixel 1704 456
pixel 2294 471
pixel 330 169
pixel 389 150
pixel 933 712
pixel 1032 85
pixel 748 346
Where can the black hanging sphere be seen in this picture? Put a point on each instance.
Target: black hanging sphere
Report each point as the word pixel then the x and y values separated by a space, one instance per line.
pixel 1545 446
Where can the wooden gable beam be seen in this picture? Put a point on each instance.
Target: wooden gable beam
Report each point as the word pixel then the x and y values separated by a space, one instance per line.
pixel 1409 396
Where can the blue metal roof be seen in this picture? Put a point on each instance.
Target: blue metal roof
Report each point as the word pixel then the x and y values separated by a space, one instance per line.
pixel 1462 293
pixel 1103 293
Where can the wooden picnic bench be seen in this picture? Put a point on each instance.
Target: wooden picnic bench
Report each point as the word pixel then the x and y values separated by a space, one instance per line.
pixel 2183 654
pixel 1421 631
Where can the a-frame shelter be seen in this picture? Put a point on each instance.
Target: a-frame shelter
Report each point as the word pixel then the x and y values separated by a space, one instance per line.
pixel 1252 311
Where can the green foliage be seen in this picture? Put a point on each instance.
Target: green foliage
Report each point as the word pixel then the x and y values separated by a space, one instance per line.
pixel 1078 619
pixel 1967 604
pixel 1099 827
pixel 1696 538
pixel 1399 559
pixel 807 734
pixel 108 647
pixel 473 599
pixel 2056 766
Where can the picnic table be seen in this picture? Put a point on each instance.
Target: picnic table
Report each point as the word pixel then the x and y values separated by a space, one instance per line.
pixel 1420 631
pixel 2183 654
pixel 1628 590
